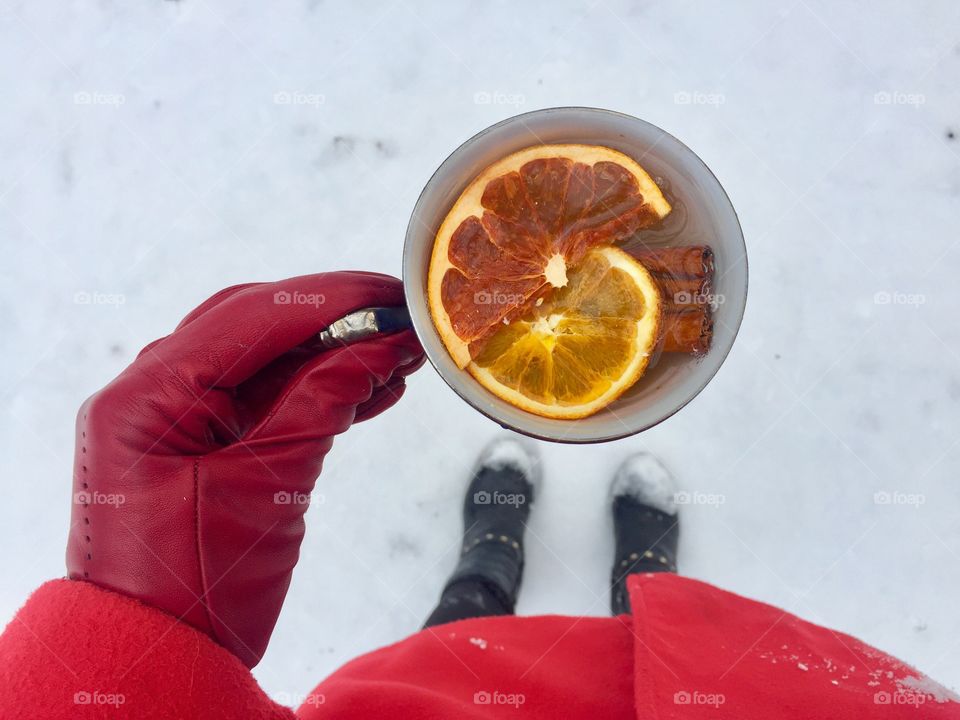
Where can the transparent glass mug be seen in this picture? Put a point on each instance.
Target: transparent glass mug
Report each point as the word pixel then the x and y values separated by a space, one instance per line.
pixel 702 215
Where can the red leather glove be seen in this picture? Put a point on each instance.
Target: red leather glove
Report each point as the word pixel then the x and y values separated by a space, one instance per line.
pixel 193 467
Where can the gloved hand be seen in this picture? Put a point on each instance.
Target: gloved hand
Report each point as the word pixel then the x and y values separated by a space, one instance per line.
pixel 194 466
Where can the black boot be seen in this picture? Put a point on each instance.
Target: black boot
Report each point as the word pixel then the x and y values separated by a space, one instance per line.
pixel 645 524
pixel 487 578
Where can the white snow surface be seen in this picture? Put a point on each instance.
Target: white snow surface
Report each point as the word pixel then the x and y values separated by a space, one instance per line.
pixel 644 477
pixel 156 152
pixel 928 688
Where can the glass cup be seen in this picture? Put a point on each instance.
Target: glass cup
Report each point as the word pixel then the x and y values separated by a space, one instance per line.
pixel 702 215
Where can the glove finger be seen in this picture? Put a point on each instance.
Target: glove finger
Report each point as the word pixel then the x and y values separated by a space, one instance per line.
pixel 244 331
pixel 381 399
pixel 228 292
pixel 322 399
pixel 207 304
pixel 221 295
pixel 394 389
pixel 214 300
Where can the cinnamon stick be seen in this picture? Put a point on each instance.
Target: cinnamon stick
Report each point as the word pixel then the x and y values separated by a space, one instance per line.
pixel 694 261
pixel 685 291
pixel 687 331
pixel 685 277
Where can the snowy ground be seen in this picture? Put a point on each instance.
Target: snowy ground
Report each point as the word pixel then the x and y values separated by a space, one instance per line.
pixel 147 155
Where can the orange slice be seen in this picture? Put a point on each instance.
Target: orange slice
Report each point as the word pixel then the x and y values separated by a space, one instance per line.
pixel 579 350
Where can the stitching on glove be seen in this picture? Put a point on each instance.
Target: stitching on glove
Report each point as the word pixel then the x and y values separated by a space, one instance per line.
pixel 88 549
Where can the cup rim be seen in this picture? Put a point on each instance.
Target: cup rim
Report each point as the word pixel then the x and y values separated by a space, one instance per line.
pixel 411 297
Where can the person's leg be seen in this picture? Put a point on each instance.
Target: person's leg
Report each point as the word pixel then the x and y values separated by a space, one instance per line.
pixel 495 511
pixel 645 524
pixel 467 599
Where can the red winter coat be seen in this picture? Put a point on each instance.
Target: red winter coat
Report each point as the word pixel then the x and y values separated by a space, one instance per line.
pixel 688 651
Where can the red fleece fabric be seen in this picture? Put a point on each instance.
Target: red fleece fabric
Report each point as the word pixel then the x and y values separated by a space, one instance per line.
pixel 76 651
pixel 499 667
pixel 689 651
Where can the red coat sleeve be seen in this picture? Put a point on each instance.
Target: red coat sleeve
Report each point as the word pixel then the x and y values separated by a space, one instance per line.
pixel 702 652
pixel 77 651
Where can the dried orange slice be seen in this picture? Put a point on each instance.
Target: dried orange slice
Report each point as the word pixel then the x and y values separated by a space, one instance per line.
pixel 579 350
pixel 520 228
